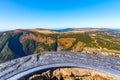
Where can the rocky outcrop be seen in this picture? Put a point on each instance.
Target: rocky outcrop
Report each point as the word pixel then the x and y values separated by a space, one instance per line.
pixel 15 69
pixel 101 51
pixel 70 74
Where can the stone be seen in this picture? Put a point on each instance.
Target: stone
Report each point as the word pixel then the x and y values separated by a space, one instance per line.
pixel 20 67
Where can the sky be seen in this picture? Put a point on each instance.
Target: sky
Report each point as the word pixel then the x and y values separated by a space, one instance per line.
pixel 58 14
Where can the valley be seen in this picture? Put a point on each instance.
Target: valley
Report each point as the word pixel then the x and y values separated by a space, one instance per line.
pixel 18 43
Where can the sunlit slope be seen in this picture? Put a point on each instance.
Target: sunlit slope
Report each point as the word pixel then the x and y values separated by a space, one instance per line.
pixel 18 43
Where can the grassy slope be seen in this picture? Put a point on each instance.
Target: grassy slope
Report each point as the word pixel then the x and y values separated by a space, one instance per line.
pixel 11 45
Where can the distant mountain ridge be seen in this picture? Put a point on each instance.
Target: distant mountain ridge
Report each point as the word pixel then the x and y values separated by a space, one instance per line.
pixel 67 29
pixel 23 42
pixel 63 30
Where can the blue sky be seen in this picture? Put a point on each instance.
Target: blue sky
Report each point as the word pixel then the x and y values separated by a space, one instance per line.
pixel 56 14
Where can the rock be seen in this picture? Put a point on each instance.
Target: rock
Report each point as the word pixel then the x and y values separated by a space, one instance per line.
pixel 18 68
pixel 71 74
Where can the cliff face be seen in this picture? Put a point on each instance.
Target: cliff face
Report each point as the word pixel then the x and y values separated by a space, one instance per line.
pixel 19 43
pixel 70 74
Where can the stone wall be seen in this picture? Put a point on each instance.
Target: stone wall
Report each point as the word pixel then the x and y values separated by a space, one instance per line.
pixel 18 68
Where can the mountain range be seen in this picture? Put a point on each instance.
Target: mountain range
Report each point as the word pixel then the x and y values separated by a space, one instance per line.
pixel 22 42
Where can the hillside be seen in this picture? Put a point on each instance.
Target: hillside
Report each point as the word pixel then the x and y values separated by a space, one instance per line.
pixel 19 43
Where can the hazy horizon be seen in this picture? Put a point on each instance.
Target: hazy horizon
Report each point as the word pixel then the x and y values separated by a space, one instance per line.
pixel 60 14
pixel 60 28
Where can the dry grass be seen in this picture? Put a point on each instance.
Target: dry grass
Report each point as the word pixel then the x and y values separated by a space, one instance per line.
pixel 44 31
pixel 66 42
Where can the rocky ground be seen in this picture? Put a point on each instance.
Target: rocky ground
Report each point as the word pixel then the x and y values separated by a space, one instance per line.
pixel 100 51
pixel 69 74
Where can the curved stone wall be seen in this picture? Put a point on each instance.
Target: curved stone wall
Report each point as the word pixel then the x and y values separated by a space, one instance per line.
pixel 18 68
